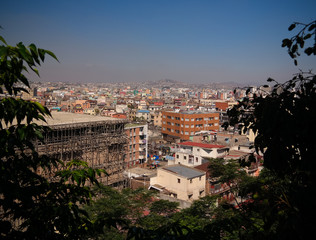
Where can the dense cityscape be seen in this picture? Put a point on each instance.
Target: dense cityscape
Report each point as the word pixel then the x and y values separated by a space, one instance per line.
pixel 149 120
pixel 165 125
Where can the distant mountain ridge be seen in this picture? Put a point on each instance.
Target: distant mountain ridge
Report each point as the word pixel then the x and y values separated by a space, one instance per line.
pixel 169 83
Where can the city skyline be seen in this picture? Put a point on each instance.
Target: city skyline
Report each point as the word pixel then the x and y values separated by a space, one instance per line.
pixel 137 41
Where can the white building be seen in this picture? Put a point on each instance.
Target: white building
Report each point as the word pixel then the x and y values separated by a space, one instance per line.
pixel 194 154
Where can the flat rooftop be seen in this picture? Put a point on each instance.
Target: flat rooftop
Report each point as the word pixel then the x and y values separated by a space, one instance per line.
pixel 63 118
pixel 184 171
pixel 131 125
pixel 59 118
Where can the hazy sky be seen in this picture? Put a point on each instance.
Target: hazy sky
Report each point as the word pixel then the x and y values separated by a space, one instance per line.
pixel 148 40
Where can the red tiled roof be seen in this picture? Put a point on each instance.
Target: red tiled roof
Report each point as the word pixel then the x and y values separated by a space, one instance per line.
pixel 201 145
pixel 203 167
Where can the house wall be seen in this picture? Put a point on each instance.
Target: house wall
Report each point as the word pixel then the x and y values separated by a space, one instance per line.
pixel 187 159
pixel 185 189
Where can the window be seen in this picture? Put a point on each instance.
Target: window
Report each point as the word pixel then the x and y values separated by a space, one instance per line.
pixel 191 181
pixel 192 119
pixel 177 156
pixel 184 157
pixel 186 133
pixel 198 149
pixel 164 128
pixel 187 126
pixel 172 124
pixel 164 116
pixel 187 119
pixel 192 126
pixel 179 181
pixel 172 130
pixel 196 159
pixel 200 178
pixel 172 117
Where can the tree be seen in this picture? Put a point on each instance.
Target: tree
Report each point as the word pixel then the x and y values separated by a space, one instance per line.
pixel 31 205
pixel 284 121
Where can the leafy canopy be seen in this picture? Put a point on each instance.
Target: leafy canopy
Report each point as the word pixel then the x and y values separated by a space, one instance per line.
pixel 31 205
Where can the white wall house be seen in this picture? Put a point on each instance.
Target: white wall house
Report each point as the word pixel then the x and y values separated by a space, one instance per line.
pixel 194 154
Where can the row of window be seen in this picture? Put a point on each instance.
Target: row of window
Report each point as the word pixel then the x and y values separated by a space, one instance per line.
pixel 192 126
pixel 191 119
pixel 178 131
pixel 190 159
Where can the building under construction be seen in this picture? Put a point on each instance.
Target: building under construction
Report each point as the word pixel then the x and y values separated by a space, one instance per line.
pixel 99 141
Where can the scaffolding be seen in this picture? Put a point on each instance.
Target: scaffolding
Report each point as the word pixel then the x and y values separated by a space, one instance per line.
pixel 102 144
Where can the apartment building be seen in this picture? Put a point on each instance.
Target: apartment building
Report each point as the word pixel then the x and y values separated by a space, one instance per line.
pixel 137 144
pixel 184 125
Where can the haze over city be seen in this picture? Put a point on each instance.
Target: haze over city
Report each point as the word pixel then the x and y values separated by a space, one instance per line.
pixel 136 41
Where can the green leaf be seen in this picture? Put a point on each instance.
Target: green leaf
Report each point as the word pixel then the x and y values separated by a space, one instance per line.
pixel 311 27
pixel 307 36
pixel 2 40
pixel 35 70
pixel 292 27
pixel 40 107
pixel 41 53
pixel 309 51
pixel 294 48
pixel 285 42
pixel 51 54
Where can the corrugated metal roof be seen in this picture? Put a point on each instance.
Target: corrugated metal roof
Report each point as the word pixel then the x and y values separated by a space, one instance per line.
pixel 184 171
pixel 143 111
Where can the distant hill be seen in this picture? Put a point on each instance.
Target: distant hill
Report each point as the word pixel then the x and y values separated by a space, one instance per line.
pixel 169 83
